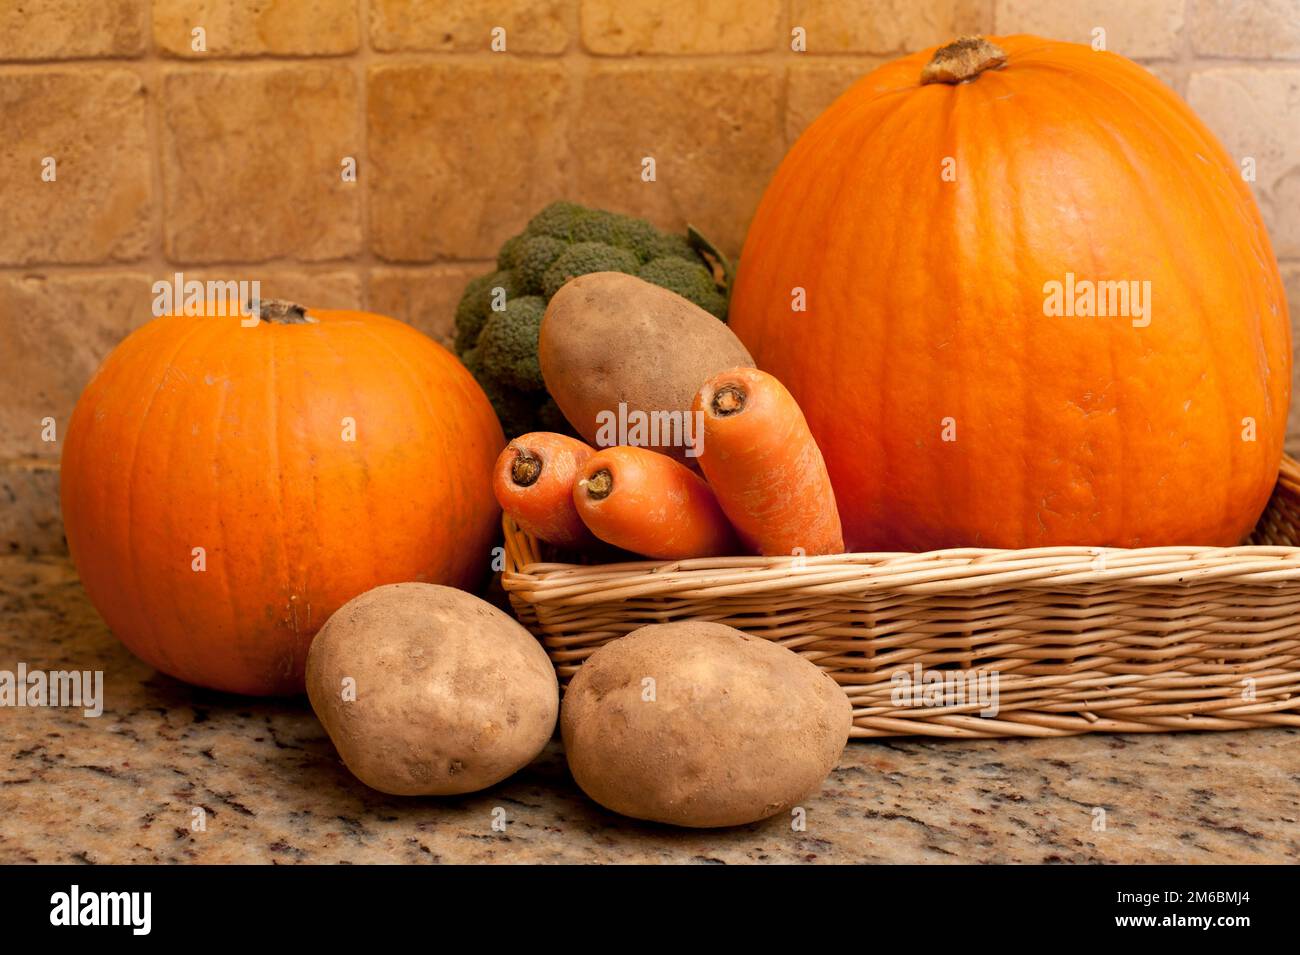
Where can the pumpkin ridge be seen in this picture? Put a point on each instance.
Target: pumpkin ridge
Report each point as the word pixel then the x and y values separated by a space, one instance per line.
pixel 215 352
pixel 1227 211
pixel 167 479
pixel 450 437
pixel 289 569
pixel 892 401
pixel 311 451
pixel 153 639
pixel 1027 473
pixel 958 479
pixel 226 585
pixel 1158 213
pixel 355 399
pixel 1117 500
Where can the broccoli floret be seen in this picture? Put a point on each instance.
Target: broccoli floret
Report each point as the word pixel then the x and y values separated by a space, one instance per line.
pixel 506 256
pixel 620 231
pixel 533 256
pixel 507 346
pixel 583 258
pixel 559 220
pixel 470 314
pixel 476 304
pixel 691 280
pixel 672 245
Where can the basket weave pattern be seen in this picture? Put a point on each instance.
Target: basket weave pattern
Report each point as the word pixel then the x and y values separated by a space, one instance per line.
pixel 1081 639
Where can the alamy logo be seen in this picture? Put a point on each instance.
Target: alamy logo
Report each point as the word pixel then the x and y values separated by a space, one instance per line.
pixel 103 908
pixel 74 688
pixel 1084 298
pixel 182 296
pixel 919 687
pixel 651 429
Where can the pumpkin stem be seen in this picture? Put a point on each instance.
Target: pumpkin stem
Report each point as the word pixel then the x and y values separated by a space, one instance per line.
pixel 962 60
pixel 280 312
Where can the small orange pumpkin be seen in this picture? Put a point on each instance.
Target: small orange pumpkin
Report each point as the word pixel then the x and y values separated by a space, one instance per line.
pixel 921 222
pixel 228 486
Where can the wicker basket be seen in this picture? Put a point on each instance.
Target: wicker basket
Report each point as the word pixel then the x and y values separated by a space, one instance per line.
pixel 1079 640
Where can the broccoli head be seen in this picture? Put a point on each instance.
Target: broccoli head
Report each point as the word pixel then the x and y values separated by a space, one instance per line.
pixel 507 346
pixel 476 304
pixel 561 242
pixel 508 251
pixel 583 258
pixel 533 256
pixel 558 220
pixel 570 222
pixel 691 280
pixel 620 231
pixel 671 245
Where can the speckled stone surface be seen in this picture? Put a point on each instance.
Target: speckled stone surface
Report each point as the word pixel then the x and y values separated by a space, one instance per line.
pixel 124 787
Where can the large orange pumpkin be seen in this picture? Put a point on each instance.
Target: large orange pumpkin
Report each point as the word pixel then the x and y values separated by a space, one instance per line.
pixel 226 488
pixel 925 216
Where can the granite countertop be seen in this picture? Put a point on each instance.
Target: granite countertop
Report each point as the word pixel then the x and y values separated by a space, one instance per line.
pixel 131 785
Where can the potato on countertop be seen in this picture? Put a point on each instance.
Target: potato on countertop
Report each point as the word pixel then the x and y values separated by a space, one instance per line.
pixel 697 724
pixel 428 690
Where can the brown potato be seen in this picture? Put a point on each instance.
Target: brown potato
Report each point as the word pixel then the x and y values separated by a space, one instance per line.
pixel 609 338
pixel 697 724
pixel 450 695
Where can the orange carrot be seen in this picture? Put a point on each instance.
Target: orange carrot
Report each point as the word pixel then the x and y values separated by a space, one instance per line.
pixel 765 466
pixel 533 481
pixel 651 504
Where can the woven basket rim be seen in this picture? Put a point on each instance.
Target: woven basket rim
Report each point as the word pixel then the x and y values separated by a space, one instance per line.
pixel 950 570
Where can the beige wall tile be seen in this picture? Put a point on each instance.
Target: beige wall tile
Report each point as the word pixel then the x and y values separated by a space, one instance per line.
pixel 68 29
pixel 255 27
pixel 91 122
pixel 57 328
pixel 1259 28
pixel 716 135
pixel 1147 29
pixel 424 297
pixel 531 26
pixel 252 163
pixel 887 26
pixel 1255 111
pixel 623 27
pixel 462 155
